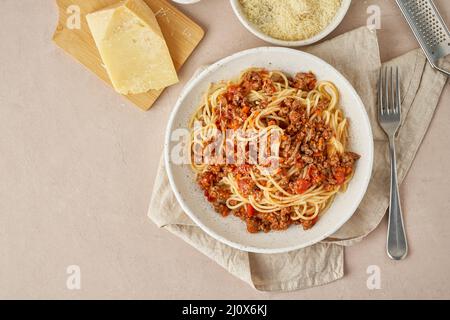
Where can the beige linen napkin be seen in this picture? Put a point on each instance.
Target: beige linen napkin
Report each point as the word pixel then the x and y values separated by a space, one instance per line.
pixel 356 55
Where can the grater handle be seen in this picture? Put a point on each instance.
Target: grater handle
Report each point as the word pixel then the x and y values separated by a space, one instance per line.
pixel 446 72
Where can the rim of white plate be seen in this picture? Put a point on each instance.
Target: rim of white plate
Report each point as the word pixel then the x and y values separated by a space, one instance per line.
pixel 194 82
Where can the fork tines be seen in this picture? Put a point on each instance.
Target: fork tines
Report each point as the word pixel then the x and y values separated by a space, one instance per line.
pixel 389 95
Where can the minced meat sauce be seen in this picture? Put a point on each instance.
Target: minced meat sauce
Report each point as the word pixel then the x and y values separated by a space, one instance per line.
pixel 324 169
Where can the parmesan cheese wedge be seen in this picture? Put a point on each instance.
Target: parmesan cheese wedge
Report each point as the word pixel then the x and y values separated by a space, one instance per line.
pixel 132 47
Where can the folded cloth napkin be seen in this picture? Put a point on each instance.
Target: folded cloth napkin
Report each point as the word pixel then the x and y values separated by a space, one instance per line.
pixel 356 55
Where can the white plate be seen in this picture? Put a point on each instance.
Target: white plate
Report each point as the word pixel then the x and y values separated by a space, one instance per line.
pixel 231 230
pixel 237 8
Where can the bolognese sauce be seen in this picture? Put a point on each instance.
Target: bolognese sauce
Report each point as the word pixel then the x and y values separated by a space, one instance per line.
pixel 311 157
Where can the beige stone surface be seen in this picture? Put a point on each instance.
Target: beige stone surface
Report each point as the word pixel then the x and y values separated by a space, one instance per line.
pixel 77 164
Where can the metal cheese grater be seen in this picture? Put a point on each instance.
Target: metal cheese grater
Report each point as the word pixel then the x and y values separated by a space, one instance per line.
pixel 429 29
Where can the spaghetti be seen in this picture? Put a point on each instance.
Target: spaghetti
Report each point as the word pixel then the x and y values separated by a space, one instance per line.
pixel 300 135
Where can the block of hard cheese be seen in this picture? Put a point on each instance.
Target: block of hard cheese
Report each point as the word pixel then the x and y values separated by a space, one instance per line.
pixel 132 47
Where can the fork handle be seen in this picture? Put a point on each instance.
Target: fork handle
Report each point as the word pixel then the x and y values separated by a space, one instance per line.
pixel 397 246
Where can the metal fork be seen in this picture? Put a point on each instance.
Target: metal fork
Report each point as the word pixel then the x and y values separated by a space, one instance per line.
pixel 389 117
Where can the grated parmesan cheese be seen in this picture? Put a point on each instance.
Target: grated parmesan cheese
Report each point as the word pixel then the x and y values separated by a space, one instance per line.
pixel 291 19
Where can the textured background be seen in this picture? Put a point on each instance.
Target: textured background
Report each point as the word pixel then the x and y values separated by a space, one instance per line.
pixel 77 164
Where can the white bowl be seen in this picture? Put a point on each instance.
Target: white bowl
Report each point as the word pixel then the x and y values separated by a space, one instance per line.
pixel 231 230
pixel 237 8
pixel 186 1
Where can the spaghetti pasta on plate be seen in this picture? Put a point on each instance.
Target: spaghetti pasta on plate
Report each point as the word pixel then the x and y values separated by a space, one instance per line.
pixel 333 212
pixel 291 135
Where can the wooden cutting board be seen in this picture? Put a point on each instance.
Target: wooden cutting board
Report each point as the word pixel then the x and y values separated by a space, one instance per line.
pixel 181 33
